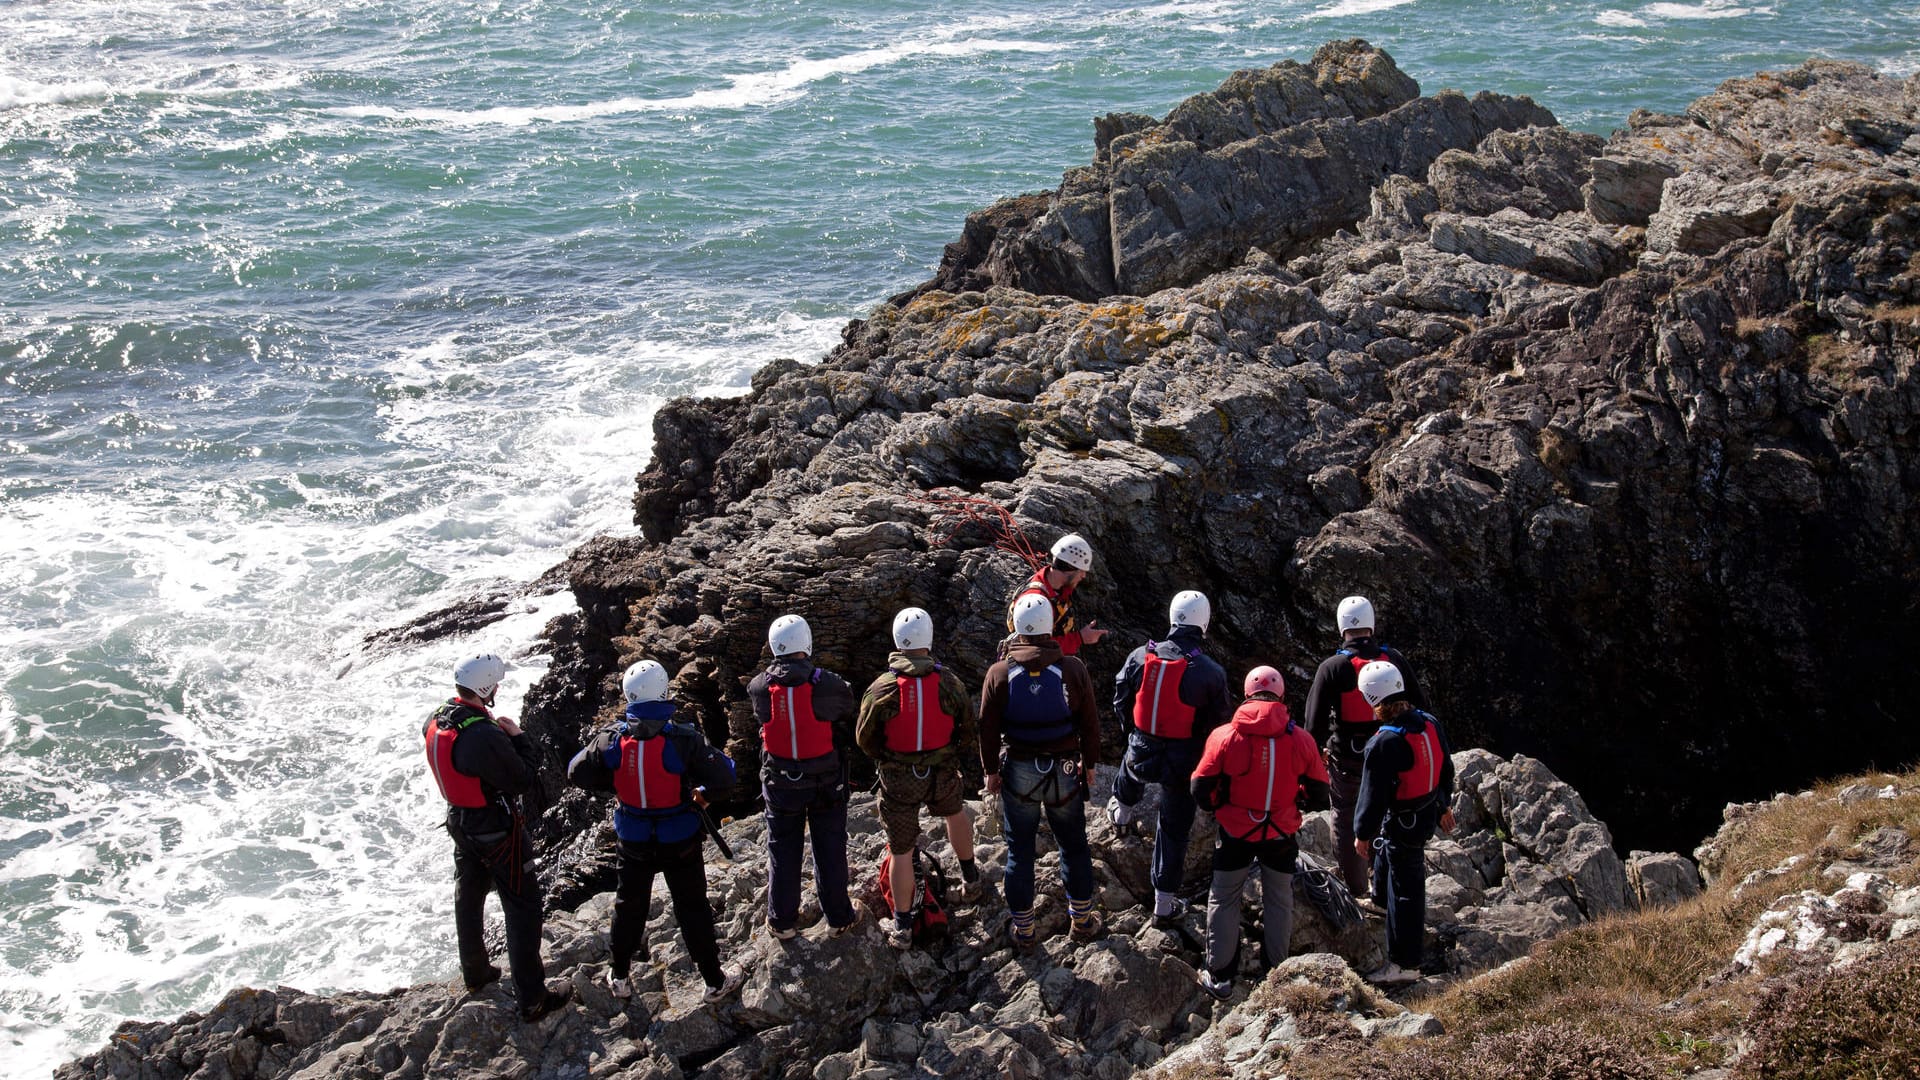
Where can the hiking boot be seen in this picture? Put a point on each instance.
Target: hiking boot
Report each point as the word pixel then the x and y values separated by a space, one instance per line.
pixel 1023 942
pixel 1120 813
pixel 967 891
pixel 1393 975
pixel 1088 927
pixel 1220 986
pixel 619 985
pixel 550 1001
pixel 487 978
pixel 841 931
pixel 782 933
pixel 1174 918
pixel 729 985
pixel 899 937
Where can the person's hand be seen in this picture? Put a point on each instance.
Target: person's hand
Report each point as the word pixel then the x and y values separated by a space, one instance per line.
pixel 507 725
pixel 700 797
pixel 1365 849
pixel 1446 821
pixel 993 784
pixel 1092 634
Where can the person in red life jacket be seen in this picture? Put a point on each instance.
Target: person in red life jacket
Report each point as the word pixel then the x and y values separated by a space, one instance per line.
pixel 1173 696
pixel 482 764
pixel 806 718
pixel 917 722
pixel 660 774
pixel 1040 701
pixel 1406 784
pixel 1257 774
pixel 1341 719
pixel 1072 559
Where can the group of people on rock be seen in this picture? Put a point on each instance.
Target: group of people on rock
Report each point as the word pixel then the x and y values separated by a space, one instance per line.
pixel 1035 735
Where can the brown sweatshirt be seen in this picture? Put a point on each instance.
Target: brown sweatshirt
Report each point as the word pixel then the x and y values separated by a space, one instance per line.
pixel 1032 653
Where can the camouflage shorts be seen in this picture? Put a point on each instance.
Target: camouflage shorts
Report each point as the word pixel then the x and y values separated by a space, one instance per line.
pixel 902 794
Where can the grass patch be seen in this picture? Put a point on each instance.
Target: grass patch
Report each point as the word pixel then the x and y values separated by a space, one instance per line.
pixel 1643 994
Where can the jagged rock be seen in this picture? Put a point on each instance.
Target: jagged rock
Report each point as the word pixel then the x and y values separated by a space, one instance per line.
pixel 1661 879
pixel 1580 254
pixel 1625 190
pixel 1700 215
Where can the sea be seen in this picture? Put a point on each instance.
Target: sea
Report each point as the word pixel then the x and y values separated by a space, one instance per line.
pixel 317 315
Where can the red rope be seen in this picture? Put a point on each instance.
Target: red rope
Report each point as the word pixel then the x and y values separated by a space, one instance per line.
pixel 955 512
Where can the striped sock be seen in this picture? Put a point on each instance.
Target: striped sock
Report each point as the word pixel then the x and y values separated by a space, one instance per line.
pixel 1079 909
pixel 1022 924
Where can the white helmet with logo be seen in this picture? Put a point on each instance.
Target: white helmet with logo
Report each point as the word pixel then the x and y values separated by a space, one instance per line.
pixel 913 629
pixel 645 681
pixel 481 674
pixel 1264 680
pixel 1379 681
pixel 789 636
pixel 1355 613
pixel 1033 616
pixel 1073 550
pixel 1190 608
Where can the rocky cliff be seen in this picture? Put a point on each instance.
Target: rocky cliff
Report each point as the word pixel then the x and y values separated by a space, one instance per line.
pixel 1619 435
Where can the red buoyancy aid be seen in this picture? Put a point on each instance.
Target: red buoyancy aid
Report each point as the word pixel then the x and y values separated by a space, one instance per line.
pixel 1353 704
pixel 1262 784
pixel 921 724
pixel 643 781
pixel 1423 777
pixel 1157 708
pixel 442 730
pixel 792 731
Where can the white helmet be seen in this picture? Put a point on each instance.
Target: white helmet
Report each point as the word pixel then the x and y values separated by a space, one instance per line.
pixel 913 629
pixel 1379 681
pixel 480 674
pixel 645 681
pixel 1190 608
pixel 789 636
pixel 1264 680
pixel 1033 615
pixel 1355 613
pixel 1074 550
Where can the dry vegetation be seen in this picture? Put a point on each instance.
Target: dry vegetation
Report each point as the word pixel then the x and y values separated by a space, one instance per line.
pixel 1649 994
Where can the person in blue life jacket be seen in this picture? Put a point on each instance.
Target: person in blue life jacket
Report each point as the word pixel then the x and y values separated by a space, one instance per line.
pixel 805 714
pixel 917 723
pixel 1040 702
pixel 1339 716
pixel 1257 774
pixel 1172 695
pixel 1406 787
pixel 482 764
pixel 661 774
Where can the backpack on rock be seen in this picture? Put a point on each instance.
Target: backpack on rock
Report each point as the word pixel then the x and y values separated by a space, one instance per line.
pixel 930 907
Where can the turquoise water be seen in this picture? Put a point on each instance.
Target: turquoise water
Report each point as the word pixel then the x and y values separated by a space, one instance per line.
pixel 321 314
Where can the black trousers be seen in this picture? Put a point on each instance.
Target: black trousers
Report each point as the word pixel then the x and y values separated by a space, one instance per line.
pixel 686 873
pixel 501 863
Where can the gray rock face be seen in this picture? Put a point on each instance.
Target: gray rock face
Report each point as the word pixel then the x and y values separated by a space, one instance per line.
pixel 1661 879
pixel 1272 160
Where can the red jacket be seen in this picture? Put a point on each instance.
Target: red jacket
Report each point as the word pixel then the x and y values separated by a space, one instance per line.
pixel 1253 770
pixel 1066 633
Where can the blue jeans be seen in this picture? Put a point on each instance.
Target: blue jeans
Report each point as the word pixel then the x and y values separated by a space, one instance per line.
pixel 1021 820
pixel 1400 881
pixel 792 810
pixel 1169 763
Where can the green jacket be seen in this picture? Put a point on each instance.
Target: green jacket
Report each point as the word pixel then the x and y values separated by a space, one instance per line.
pixel 881 703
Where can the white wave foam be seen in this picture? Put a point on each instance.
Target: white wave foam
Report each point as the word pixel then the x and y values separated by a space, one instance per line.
pixel 741 92
pixel 1341 8
pixel 1616 17
pixel 1710 9
pixel 1900 66
pixel 16 93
